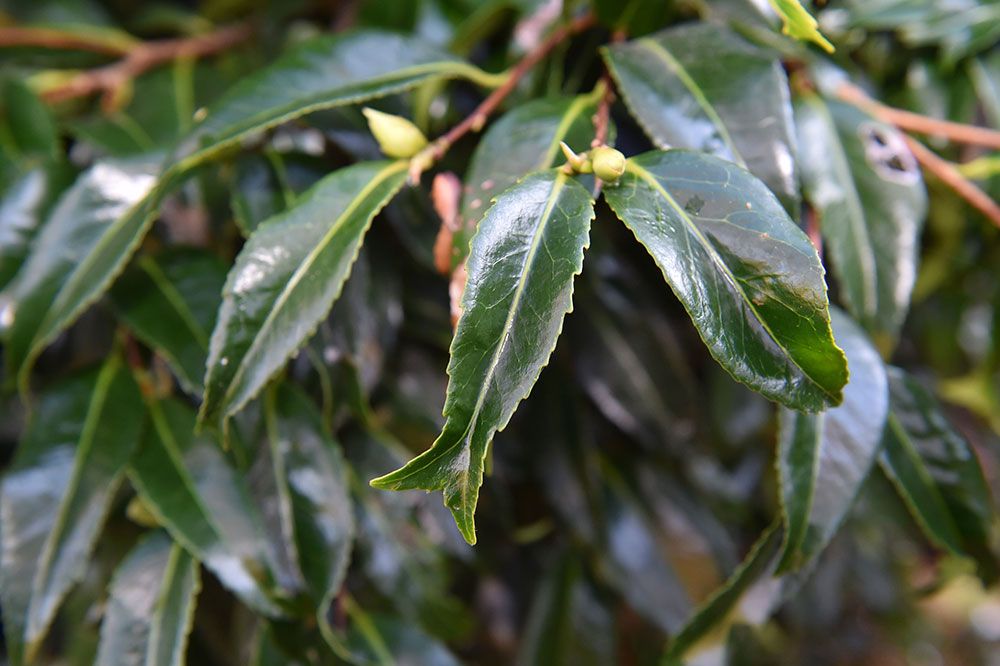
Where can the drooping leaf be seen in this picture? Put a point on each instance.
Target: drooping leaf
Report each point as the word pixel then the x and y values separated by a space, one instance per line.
pixel 31 492
pixel 86 240
pixel 823 459
pixel 326 71
pixel 521 267
pixel 285 279
pixel 749 278
pixel 523 140
pixel 187 483
pixel 936 471
pixel 322 526
pixel 170 302
pixel 151 606
pixel 702 87
pixel 107 436
pixel 869 195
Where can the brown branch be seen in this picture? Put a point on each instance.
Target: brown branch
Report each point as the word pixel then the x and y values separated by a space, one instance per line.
pixel 111 79
pixel 915 122
pixel 950 176
pixel 477 119
pixel 51 38
pixel 603 115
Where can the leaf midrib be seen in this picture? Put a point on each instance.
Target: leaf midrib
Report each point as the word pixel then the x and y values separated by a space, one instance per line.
pixel 699 95
pixel 717 260
pixel 307 264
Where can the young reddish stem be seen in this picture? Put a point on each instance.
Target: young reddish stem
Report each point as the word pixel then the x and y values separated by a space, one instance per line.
pixel 477 119
pixel 950 176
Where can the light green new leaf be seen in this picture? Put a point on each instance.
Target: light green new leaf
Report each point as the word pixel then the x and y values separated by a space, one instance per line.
pixel 85 241
pixel 151 606
pixel 823 459
pixel 868 192
pixel 193 491
pixel 936 472
pixel 799 23
pixel 702 87
pixel 170 302
pixel 749 278
pixel 326 71
pixel 286 277
pixel 520 286
pixel 523 140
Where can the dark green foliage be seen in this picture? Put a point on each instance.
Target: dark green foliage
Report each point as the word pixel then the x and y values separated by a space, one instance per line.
pixel 737 407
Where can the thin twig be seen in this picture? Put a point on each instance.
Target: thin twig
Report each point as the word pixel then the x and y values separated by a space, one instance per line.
pixel 111 79
pixel 915 122
pixel 52 38
pixel 477 119
pixel 950 176
pixel 603 115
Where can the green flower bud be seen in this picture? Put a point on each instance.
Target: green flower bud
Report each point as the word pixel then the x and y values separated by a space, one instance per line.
pixel 609 164
pixel 397 137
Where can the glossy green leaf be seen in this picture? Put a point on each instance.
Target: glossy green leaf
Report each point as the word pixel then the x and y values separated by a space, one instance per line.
pixel 29 122
pixel 104 444
pixel 823 459
pixel 313 470
pixel 151 606
pixel 521 267
pixel 20 217
pixel 936 471
pixel 86 240
pixel 749 278
pixel 869 195
pixel 523 140
pixel 170 302
pixel 32 490
pixel 193 491
pixel 326 71
pixel 286 277
pixel 699 86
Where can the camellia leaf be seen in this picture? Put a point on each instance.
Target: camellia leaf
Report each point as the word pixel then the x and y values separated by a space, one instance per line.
pixel 286 277
pixel 105 441
pixel 936 471
pixel 749 278
pixel 523 140
pixel 193 491
pixel 171 302
pixel 61 473
pixel 702 87
pixel 86 240
pixel 520 286
pixel 868 192
pixel 313 470
pixel 326 71
pixel 151 606
pixel 20 217
pixel 823 459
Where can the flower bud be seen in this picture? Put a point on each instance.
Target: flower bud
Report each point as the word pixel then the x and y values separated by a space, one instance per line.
pixel 609 164
pixel 397 137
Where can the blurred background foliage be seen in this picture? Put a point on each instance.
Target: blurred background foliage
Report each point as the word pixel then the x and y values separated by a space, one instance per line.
pixel 628 487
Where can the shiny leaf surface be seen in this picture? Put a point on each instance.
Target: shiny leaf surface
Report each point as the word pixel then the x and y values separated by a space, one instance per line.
pixel 869 195
pixel 935 470
pixel 85 241
pixel 521 268
pixel 151 606
pixel 104 444
pixel 170 302
pixel 326 71
pixel 699 86
pixel 195 493
pixel 20 218
pixel 749 278
pixel 823 459
pixel 285 279
pixel 523 140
